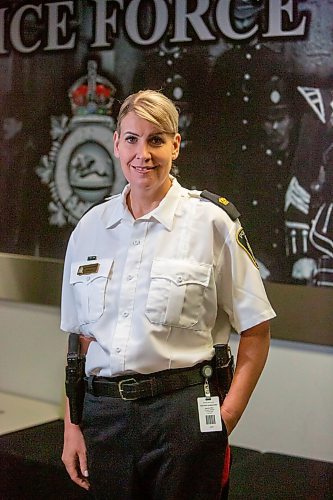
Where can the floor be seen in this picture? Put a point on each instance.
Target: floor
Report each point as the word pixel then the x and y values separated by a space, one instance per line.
pixel 30 468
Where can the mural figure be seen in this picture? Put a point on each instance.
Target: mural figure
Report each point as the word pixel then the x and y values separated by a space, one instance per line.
pixel 309 197
pixel 232 92
pixel 18 155
pixel 264 177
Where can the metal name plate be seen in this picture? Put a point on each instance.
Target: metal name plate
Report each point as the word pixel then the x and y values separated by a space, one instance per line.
pixel 88 269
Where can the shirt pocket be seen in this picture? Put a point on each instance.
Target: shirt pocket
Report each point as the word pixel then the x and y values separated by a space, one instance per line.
pixel 176 292
pixel 90 289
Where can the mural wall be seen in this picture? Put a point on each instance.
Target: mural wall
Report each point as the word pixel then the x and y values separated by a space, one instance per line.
pixel 253 81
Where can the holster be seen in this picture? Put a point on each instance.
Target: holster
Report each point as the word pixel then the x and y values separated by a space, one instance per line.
pixel 75 371
pixel 224 368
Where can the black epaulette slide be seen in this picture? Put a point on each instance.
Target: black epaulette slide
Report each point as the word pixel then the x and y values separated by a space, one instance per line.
pixel 221 202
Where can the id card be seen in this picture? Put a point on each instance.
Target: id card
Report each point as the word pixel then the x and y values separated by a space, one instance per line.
pixel 209 414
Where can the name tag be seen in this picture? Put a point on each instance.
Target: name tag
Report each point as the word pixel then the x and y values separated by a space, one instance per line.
pixel 209 414
pixel 88 269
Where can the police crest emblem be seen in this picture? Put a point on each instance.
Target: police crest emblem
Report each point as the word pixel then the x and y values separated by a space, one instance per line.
pixel 81 169
pixel 243 242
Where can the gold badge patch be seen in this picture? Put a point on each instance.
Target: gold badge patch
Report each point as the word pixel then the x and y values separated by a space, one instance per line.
pixel 88 269
pixel 244 243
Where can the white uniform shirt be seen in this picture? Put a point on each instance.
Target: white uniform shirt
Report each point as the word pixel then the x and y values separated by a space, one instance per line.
pixel 162 289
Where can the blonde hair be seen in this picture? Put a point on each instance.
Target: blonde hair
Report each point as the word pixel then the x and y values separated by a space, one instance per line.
pixel 153 106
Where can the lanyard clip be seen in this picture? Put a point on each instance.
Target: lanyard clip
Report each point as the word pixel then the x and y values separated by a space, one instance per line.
pixel 207 372
pixel 206 389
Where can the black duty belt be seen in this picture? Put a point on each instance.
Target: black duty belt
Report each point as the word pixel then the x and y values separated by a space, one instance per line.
pixel 139 386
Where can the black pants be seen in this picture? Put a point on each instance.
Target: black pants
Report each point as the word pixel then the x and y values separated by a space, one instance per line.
pixel 152 449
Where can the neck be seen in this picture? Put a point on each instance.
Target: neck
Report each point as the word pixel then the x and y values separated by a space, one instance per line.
pixel 141 203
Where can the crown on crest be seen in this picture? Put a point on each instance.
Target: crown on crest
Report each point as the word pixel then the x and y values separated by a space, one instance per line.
pixel 92 93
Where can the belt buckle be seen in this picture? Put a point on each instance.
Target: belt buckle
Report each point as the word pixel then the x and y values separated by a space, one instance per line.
pixel 121 390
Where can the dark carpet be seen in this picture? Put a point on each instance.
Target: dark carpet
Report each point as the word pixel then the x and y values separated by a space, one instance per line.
pixel 31 468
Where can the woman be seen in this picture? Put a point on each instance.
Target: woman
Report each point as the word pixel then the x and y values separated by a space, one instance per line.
pixel 153 278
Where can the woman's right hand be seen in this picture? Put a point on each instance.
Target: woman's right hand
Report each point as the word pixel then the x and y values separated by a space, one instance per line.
pixel 74 455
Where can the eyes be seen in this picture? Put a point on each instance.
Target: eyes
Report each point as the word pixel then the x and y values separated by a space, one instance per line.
pixel 157 140
pixel 154 140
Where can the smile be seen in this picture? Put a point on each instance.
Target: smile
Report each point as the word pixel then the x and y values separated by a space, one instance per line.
pixel 143 170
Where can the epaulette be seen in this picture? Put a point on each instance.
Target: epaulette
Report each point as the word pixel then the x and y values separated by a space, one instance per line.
pixel 221 202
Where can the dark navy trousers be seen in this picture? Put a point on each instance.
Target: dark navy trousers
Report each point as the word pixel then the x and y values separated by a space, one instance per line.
pixel 152 449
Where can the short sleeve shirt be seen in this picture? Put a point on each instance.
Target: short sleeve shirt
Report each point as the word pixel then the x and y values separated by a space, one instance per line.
pixel 159 291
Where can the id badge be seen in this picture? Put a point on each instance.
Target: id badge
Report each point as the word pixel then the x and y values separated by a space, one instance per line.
pixel 209 414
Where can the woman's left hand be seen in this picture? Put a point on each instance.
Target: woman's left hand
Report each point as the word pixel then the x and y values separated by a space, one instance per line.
pixel 251 357
pixel 229 420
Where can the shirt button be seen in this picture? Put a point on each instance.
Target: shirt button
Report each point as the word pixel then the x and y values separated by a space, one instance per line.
pixel 125 314
pixel 118 349
pixel 179 279
pixel 129 277
pixel 136 242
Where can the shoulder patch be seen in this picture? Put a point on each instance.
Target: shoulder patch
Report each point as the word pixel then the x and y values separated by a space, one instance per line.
pixel 243 242
pixel 221 202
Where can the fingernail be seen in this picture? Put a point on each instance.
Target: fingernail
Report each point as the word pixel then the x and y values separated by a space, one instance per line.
pixel 86 473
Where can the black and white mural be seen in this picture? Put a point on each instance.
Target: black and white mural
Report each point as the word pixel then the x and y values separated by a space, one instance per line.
pixel 253 81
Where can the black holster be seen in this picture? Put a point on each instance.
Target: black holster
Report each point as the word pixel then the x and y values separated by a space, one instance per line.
pixel 75 371
pixel 224 368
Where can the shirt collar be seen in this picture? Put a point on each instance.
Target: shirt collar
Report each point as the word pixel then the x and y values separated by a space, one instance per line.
pixel 164 213
pixel 119 212
pixel 166 210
